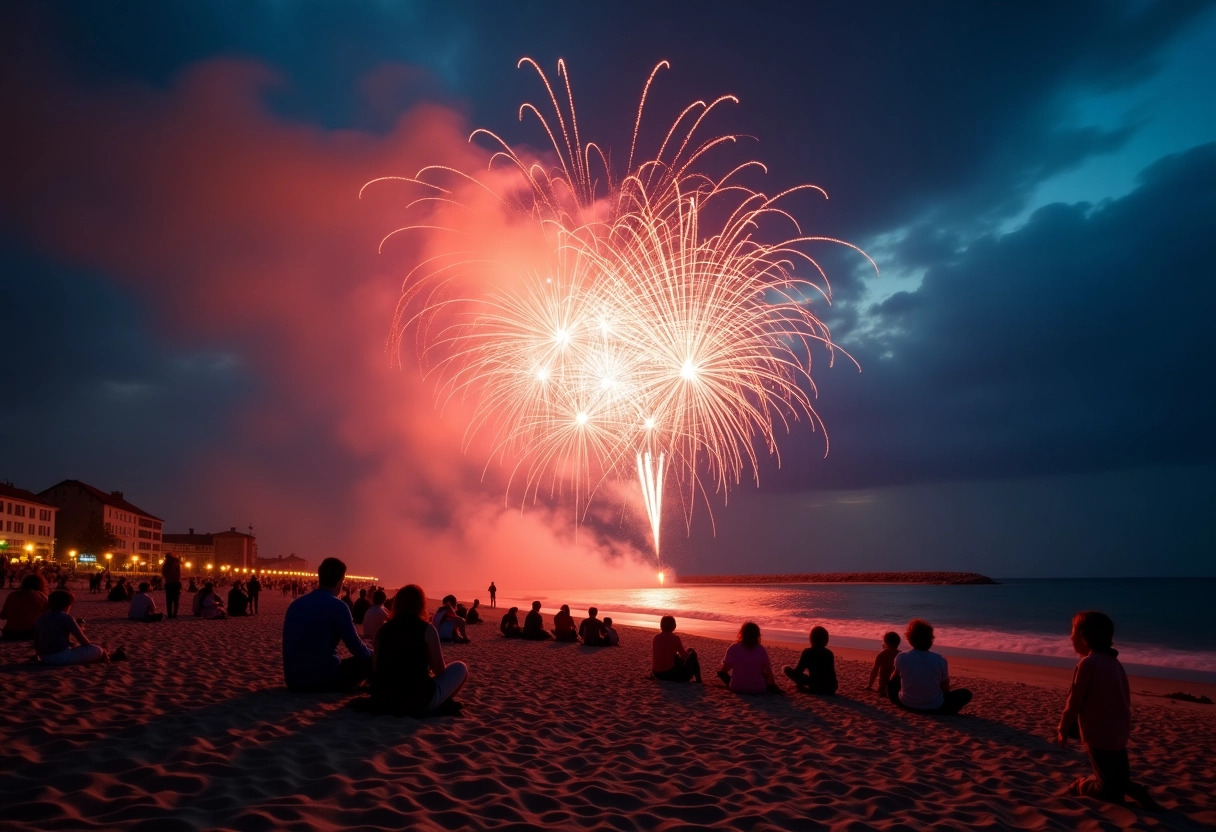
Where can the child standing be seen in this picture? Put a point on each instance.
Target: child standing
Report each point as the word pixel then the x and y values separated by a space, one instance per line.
pixel 884 663
pixel 1099 704
pixel 816 670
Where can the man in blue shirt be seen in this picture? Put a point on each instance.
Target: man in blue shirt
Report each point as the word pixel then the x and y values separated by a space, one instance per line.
pixel 312 628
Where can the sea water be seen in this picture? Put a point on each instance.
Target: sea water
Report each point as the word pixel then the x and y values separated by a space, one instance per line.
pixel 1163 626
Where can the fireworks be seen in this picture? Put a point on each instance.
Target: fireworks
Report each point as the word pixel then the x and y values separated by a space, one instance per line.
pixel 668 329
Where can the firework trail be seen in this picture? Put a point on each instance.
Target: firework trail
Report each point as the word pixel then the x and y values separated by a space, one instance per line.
pixel 662 335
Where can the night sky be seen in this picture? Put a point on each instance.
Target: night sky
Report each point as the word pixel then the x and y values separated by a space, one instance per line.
pixel 196 314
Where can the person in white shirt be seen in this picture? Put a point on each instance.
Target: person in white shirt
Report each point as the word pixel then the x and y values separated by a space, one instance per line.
pixel 143 607
pixel 922 679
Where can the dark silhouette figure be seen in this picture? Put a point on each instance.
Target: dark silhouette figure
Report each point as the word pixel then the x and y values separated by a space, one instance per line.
pixel 509 626
pixel 563 625
pixel 816 670
pixel 884 663
pixel 171 571
pixel 534 625
pixel 591 630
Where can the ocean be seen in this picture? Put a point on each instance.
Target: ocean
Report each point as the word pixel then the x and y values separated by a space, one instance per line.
pixel 1162 625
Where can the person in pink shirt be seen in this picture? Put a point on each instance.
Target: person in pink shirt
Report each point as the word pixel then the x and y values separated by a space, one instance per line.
pixel 1098 712
pixel 746 667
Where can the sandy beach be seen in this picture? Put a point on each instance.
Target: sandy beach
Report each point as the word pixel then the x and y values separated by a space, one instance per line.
pixel 197 732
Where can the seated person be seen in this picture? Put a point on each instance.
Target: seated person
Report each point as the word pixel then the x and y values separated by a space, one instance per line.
pixel 670 662
pixel 591 630
pixel 746 667
pixel 611 637
pixel 238 599
pixel 409 675
pixel 534 625
pixel 56 627
pixel 121 591
pixel 563 625
pixel 449 625
pixel 474 616
pixel 22 608
pixel 509 626
pixel 312 628
pixel 207 604
pixel 143 607
pixel 375 616
pixel 922 678
pixel 816 670
pixel 884 663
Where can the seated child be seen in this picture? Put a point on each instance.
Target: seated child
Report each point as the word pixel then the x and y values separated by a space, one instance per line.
pixel 376 615
pixel 611 637
pixel 55 628
pixel 816 670
pixel 1099 705
pixel 884 663
pixel 474 616
pixel 143 607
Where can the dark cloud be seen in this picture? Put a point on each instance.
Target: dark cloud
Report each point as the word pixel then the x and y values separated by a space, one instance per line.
pixel 1075 343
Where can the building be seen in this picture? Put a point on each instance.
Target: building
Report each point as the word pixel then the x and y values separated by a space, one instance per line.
pixel 285 564
pixel 219 551
pixel 96 523
pixel 27 525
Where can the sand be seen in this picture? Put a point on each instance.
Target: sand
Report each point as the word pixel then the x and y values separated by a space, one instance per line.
pixel 197 732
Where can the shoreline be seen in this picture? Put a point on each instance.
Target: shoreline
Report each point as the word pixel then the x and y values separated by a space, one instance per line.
pixel 197 732
pixel 1040 671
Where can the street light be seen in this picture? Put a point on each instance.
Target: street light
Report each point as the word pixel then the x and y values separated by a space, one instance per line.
pixel 109 557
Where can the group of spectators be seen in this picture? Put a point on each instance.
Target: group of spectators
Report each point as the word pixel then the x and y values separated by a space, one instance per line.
pixel 406 672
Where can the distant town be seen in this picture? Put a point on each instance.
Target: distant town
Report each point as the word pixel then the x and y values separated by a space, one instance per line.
pixel 88 529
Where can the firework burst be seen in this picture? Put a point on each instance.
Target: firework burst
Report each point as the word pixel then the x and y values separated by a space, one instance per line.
pixel 665 333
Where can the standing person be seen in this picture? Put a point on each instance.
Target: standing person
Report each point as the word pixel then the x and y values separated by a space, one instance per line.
pixel 409 675
pixel 312 628
pixel 493 595
pixel 171 571
pixel 816 670
pixel 362 605
pixel 254 589
pixel 746 667
pixel 1098 712
pixel 922 678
